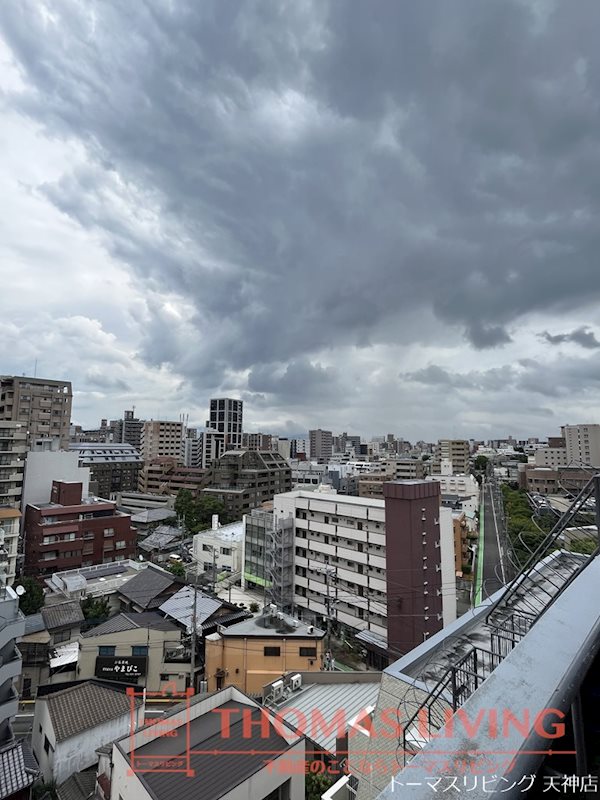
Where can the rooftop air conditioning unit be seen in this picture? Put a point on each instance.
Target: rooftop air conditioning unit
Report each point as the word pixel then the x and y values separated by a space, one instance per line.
pixel 277 688
pixel 295 623
pixel 296 682
pixel 280 615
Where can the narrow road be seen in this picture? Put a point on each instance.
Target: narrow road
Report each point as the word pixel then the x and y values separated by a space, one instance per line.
pixel 490 573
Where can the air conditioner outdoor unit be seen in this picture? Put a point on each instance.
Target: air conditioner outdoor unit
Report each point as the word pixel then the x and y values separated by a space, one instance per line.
pixel 277 688
pixel 296 682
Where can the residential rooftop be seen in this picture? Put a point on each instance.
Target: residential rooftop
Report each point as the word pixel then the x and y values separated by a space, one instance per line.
pixel 271 624
pixel 128 621
pixel 84 706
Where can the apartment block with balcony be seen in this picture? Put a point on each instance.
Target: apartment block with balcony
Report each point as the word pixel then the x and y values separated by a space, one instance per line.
pixel 12 627
pixel 339 551
pixel 456 451
pixel 70 532
pixel 114 467
pixel 162 438
pixel 245 479
pixel 582 444
pixel 363 562
pixel 320 445
pixel 13 450
pixel 42 406
pixel 10 521
pixel 166 476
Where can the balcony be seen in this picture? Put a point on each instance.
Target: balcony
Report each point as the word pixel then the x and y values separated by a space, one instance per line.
pixel 10 706
pixel 10 668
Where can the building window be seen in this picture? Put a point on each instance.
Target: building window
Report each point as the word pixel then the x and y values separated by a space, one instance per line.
pixel 46 745
pixel 272 651
pixel 309 652
pixel 62 636
pixel 88 535
pixel 106 650
pixel 109 532
pixel 206 548
pixel 164 676
pixel 120 545
pixel 226 551
pixel 139 650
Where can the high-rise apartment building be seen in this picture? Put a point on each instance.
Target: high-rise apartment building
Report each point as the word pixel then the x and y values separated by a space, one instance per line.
pixel 129 429
pixel 226 417
pixel 161 438
pixel 361 561
pixel 582 444
pixel 13 449
pixel 321 445
pixel 223 430
pixel 457 451
pixel 42 406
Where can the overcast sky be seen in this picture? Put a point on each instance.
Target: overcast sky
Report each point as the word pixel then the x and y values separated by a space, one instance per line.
pixel 365 216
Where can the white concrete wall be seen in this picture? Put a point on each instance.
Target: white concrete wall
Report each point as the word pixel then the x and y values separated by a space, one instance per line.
pixel 233 561
pixel 79 752
pixel 448 566
pixel 41 468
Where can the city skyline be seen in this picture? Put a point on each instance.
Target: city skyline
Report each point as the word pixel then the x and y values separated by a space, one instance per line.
pixel 262 205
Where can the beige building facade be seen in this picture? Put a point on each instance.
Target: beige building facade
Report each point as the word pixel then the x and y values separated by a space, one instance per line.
pixel 42 406
pixel 257 651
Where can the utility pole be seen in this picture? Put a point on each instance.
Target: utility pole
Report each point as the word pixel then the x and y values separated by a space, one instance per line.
pixel 194 618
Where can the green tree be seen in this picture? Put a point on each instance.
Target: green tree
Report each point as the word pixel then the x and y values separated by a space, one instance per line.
pixel 184 507
pixel 316 784
pixel 96 610
pixel 481 463
pixel 177 569
pixel 33 599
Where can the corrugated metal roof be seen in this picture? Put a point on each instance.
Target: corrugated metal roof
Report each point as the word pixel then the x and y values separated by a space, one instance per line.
pixel 331 700
pixel 179 606
pixel 220 762
pixel 65 654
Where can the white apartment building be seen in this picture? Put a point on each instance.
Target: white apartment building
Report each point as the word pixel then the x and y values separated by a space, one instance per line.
pixel 223 543
pixel 340 559
pixel 582 444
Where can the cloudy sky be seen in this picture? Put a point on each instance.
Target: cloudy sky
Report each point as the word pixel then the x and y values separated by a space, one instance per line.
pixel 373 217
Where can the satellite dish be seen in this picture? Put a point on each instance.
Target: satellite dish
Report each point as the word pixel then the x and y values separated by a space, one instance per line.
pixel 20 590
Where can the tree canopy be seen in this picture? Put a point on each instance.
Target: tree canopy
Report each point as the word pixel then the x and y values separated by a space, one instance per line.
pixel 197 512
pixel 33 599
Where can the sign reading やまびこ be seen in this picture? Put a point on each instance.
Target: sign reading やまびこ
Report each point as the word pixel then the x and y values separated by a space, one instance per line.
pixel 120 668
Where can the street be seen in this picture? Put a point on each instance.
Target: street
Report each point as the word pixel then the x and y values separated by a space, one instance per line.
pixel 491 572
